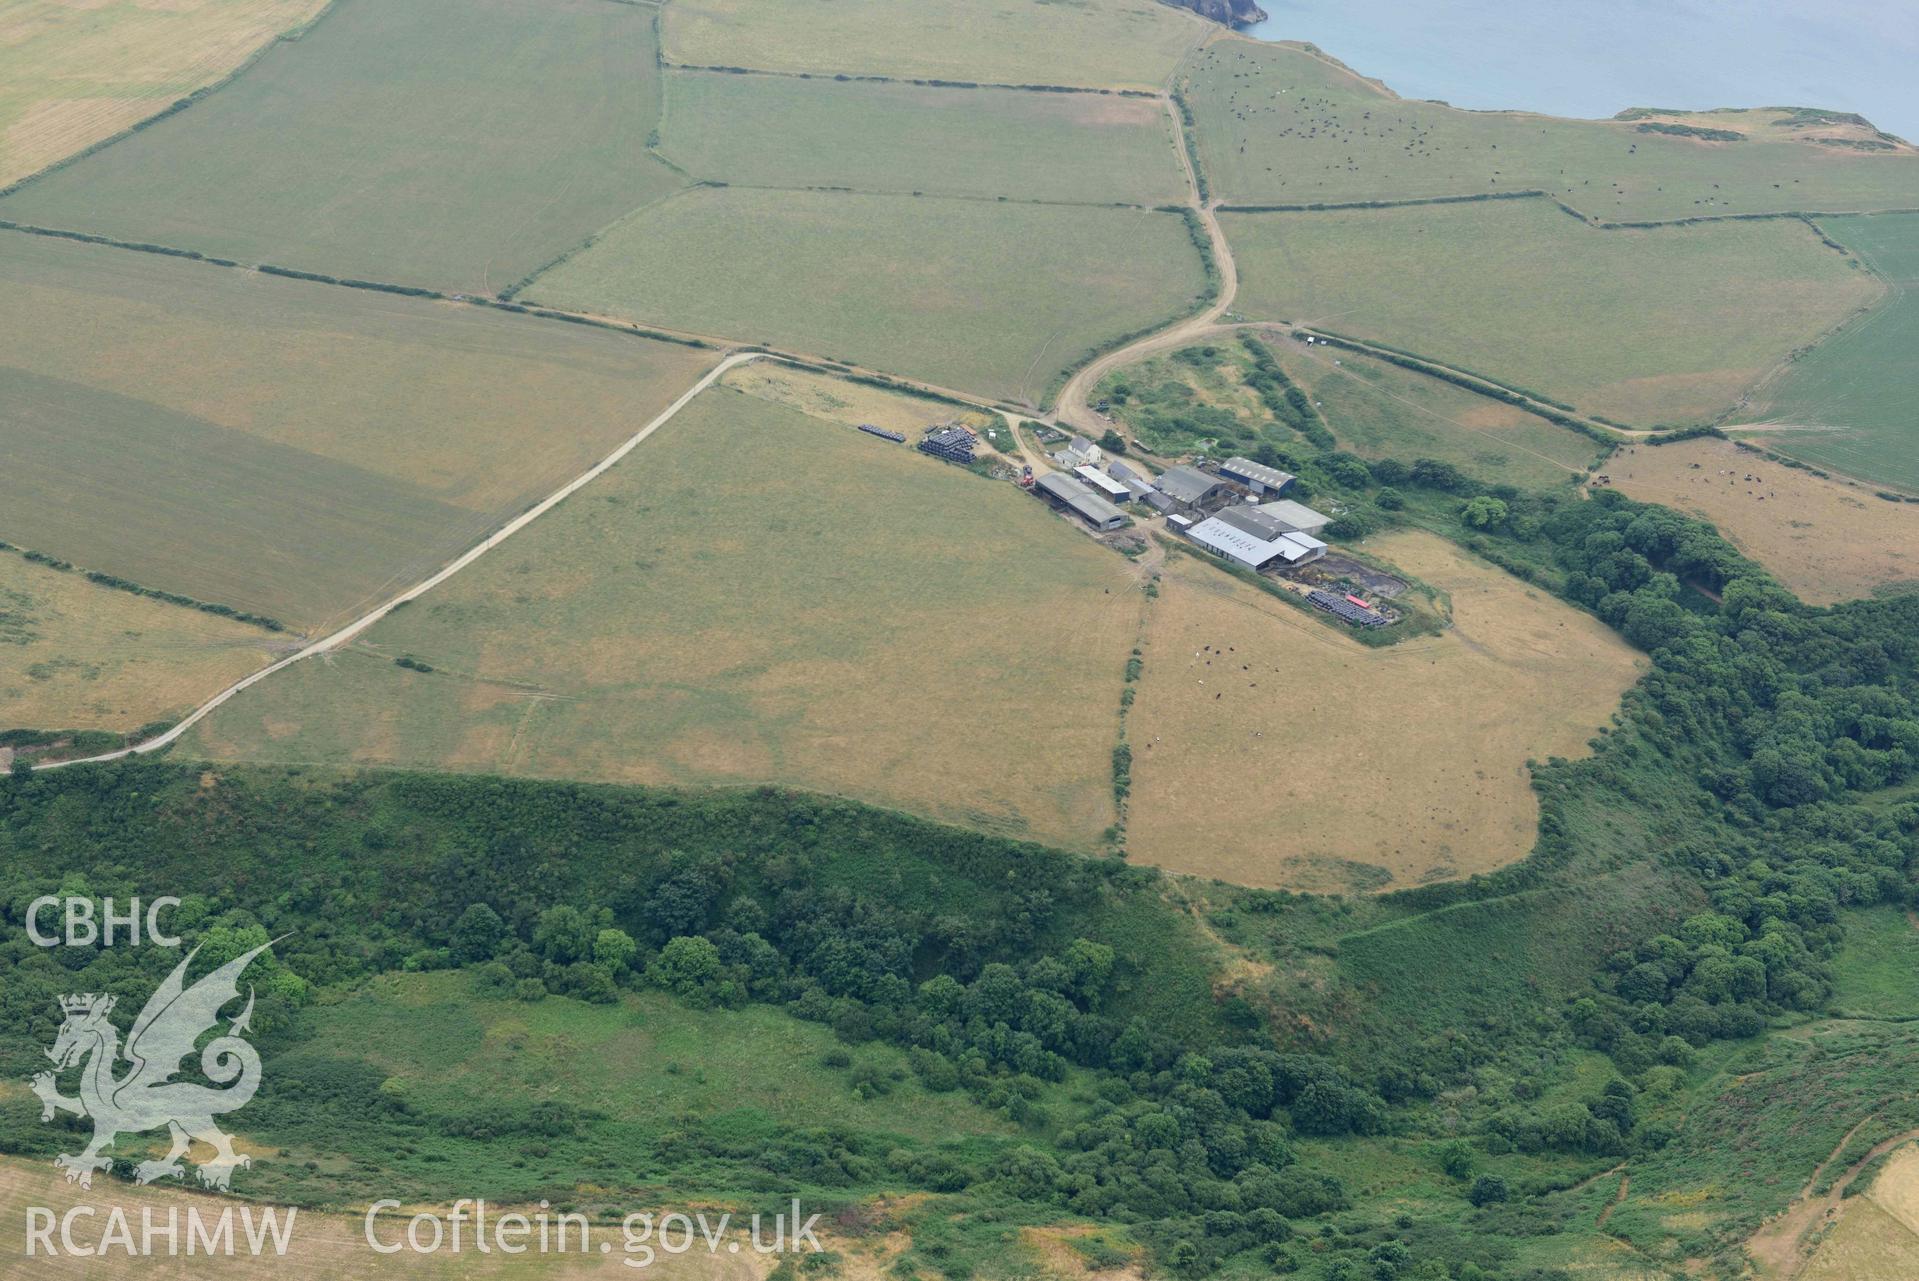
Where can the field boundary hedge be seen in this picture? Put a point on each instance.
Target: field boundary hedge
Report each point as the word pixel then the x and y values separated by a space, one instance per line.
pixel 924 82
pixel 1552 411
pixel 1594 221
pixel 372 286
pixel 1334 206
pixel 908 193
pixel 127 585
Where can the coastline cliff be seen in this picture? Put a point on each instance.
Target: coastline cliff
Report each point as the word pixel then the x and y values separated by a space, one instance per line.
pixel 1233 13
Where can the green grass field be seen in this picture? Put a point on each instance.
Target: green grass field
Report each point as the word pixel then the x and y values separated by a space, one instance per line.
pixel 452 143
pixel 1379 410
pixel 994 299
pixel 1281 125
pixel 1876 974
pixel 785 132
pixel 753 596
pixel 292 449
pixel 1120 44
pixel 1475 963
pixel 629 1073
pixel 1857 394
pixel 1664 326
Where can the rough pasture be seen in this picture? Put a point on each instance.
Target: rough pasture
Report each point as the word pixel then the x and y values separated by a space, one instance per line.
pixel 1269 750
pixel 754 596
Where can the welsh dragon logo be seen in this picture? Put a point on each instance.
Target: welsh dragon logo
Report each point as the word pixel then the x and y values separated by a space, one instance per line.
pixel 146 1097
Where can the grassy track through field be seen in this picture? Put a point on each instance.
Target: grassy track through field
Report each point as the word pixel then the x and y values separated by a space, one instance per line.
pixel 1876 1234
pixel 1072 406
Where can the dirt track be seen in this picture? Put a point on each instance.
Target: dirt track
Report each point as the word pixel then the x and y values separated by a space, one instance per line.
pixel 1072 408
pixel 1778 1247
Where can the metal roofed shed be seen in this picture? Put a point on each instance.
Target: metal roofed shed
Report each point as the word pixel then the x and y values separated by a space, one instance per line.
pixel 1159 502
pixel 1100 480
pixel 1250 520
pixel 1297 517
pixel 1138 483
pixel 1189 484
pixel 1257 477
pixel 1231 540
pixel 1312 547
pixel 1067 492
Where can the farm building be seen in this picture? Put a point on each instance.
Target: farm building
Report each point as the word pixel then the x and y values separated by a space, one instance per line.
pixel 1254 541
pixel 1064 491
pixel 1296 517
pixel 1107 485
pixel 1190 485
pixel 1079 452
pixel 1250 520
pixel 954 444
pixel 1138 483
pixel 1257 477
pixel 1158 502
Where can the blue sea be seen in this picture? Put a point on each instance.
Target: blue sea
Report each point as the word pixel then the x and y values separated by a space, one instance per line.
pixel 1592 59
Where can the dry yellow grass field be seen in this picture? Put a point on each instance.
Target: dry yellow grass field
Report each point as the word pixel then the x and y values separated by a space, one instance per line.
pixel 1896 1190
pixel 324 1247
pixel 73 72
pixel 754 596
pixel 1877 1236
pixel 1828 540
pixel 285 447
pixel 75 655
pixel 1269 750
pixel 837 400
